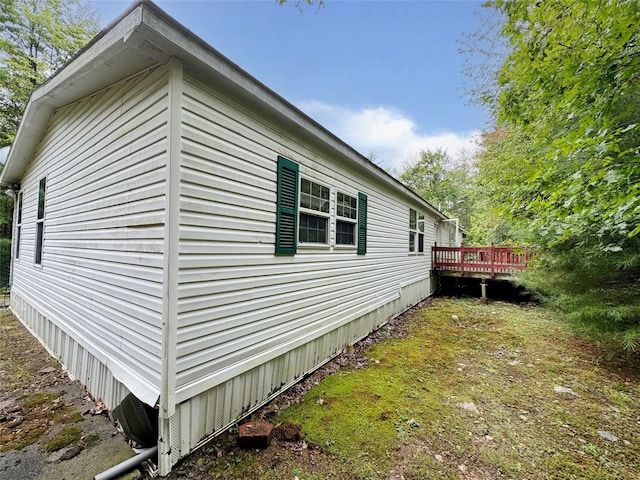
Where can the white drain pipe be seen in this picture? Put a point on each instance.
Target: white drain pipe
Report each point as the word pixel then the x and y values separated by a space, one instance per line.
pixel 127 465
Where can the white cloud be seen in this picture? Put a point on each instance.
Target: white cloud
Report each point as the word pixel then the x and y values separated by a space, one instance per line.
pixel 390 135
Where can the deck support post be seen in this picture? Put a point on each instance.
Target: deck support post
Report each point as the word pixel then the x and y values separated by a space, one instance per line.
pixel 484 298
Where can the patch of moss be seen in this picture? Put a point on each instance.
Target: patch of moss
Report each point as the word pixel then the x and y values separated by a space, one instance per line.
pixel 91 439
pixel 33 400
pixel 67 415
pixel 65 437
pixel 400 413
pixel 13 441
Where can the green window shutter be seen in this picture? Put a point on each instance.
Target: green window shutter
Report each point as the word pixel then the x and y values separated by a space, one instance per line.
pixel 362 224
pixel 287 208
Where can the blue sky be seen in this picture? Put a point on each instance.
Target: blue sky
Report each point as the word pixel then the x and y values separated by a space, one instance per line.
pixel 385 76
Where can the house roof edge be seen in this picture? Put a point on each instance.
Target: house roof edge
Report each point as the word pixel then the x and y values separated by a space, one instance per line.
pixel 90 70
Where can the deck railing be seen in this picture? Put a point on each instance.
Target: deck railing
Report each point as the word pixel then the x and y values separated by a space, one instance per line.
pixel 488 260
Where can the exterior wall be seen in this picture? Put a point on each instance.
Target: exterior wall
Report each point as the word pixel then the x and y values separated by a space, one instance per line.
pixel 446 234
pixel 249 322
pixel 96 299
pixel 216 409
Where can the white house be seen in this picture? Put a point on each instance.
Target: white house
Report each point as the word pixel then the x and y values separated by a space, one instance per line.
pixel 185 235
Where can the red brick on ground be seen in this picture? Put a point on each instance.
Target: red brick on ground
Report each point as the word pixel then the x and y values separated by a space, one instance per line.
pixel 255 435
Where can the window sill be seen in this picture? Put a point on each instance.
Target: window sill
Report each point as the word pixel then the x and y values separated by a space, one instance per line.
pixel 321 246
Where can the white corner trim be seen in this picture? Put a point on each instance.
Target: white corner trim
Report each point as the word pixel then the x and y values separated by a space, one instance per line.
pixel 171 240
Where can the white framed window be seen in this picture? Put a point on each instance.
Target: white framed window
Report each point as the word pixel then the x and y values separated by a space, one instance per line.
pixel 346 219
pixel 413 230
pixel 421 225
pixel 40 221
pixel 18 225
pixel 314 214
pixel 308 214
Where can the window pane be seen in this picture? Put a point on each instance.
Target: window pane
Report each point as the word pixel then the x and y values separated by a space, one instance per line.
pixel 18 228
pixel 20 207
pixel 41 192
pixel 345 233
pixel 305 186
pixel 314 196
pixel 39 234
pixel 312 229
pixel 346 206
pixel 412 242
pixel 324 195
pixel 305 200
pixel 412 219
pixel 421 243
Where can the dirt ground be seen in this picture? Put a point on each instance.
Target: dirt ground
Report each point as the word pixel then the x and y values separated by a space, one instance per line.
pixel 50 428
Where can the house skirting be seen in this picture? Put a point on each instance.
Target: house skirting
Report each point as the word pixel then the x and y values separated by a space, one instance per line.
pixel 74 357
pixel 213 411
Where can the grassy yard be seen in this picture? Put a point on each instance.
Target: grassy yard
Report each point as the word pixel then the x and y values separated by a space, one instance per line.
pixel 470 391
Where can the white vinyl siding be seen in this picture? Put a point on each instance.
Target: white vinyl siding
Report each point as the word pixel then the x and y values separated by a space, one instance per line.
pixel 240 305
pixel 100 281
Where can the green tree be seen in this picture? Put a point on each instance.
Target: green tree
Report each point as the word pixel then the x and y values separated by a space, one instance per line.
pixel 563 167
pixel 436 179
pixel 36 38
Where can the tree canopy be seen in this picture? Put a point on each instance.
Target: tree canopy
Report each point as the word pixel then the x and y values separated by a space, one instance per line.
pixel 36 38
pixel 563 163
pixel 435 178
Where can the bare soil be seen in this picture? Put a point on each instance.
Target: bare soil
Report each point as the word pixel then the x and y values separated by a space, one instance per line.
pixel 50 427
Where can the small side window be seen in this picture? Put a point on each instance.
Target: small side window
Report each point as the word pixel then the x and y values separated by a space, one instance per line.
pixel 313 225
pixel 18 225
pixel 420 233
pixel 413 225
pixel 346 219
pixel 40 221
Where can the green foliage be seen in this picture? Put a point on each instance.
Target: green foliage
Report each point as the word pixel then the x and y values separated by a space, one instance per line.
pixel 300 3
pixel 36 38
pixel 444 185
pixel 562 168
pixel 5 262
pixel 569 97
pixel 601 293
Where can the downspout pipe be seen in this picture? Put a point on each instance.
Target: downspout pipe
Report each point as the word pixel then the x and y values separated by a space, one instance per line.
pixel 127 465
